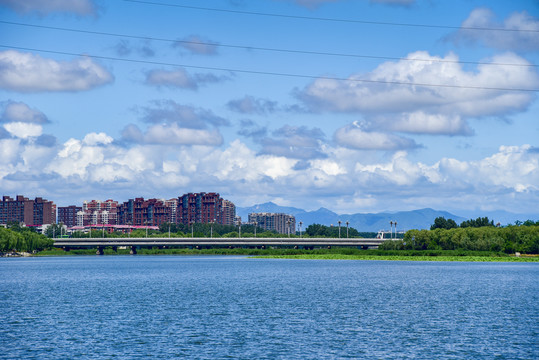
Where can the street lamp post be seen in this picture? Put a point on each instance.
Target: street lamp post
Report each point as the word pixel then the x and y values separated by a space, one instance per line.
pixel 239 227
pixel 339 228
pixel 391 231
pixel 347 223
pixel 255 227
pixel 395 230
pixel 300 223
pixel 169 230
pixel 146 224
pixel 288 226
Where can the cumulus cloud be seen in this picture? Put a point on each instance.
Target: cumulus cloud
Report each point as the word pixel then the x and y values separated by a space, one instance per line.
pixel 175 124
pixel 428 109
pixel 520 31
pixel 23 130
pixel 96 163
pixel 253 130
pixel 26 72
pixel 252 105
pixel 170 112
pixel 294 142
pixel 126 48
pixel 353 136
pixel 44 7
pixel 20 112
pixel 172 134
pixel 197 45
pixel 180 78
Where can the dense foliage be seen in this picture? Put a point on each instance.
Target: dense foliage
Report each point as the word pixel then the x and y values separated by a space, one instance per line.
pixel 510 239
pixel 23 239
pixel 318 230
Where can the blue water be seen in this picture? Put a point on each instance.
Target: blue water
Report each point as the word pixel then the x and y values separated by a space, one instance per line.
pixel 161 307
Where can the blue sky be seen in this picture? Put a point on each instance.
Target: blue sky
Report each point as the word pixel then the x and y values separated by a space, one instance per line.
pixel 356 106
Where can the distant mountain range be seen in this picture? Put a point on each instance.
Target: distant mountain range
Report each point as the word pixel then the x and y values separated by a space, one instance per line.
pixel 406 220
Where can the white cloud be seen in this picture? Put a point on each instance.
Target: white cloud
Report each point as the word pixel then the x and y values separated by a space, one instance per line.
pixel 174 135
pixel 180 78
pixel 94 165
pixel 9 151
pixel 20 112
pixel 44 7
pixel 352 136
pixel 428 109
pixel 23 130
pixel 198 45
pixel 26 72
pixel 93 139
pixel 520 35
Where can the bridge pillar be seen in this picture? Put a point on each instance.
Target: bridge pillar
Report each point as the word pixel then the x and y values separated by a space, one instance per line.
pixel 133 250
pixel 99 251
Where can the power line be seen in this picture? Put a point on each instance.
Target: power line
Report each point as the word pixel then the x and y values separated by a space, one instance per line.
pixel 291 51
pixel 255 72
pixel 385 23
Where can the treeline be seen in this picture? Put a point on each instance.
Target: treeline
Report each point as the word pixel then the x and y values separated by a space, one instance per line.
pixel 443 223
pixel 318 230
pixel 23 239
pixel 509 239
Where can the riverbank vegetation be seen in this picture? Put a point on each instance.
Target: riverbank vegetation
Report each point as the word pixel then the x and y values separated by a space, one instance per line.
pixel 509 239
pixel 22 239
pixel 317 253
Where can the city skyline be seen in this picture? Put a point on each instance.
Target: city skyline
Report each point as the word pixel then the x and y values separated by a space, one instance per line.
pixel 354 106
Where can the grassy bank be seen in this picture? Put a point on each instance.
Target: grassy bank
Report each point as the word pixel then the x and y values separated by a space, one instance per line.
pixel 406 258
pixel 316 254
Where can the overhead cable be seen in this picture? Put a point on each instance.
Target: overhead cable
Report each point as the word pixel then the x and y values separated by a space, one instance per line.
pixel 256 72
pixel 386 23
pixel 307 52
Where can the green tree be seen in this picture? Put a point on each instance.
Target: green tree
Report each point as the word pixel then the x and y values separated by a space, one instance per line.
pixel 441 223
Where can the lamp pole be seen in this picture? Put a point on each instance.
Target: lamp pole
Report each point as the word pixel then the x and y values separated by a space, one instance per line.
pixel 339 228
pixel 288 226
pixel 255 227
pixel 395 230
pixel 300 223
pixel 391 231
pixel 347 223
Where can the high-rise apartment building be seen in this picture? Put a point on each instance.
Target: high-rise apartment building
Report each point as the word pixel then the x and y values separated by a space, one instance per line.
pixel 30 212
pixel 205 208
pixel 67 215
pixel 282 223
pixel 229 213
pixel 150 212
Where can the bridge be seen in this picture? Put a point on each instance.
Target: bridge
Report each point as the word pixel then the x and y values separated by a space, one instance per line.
pixel 137 243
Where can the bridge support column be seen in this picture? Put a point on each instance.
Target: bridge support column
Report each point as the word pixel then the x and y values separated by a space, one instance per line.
pixel 100 251
pixel 133 250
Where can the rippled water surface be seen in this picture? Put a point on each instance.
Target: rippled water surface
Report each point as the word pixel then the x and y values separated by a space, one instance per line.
pixel 124 307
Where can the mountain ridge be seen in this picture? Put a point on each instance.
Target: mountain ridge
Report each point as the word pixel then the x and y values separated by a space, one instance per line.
pixel 406 220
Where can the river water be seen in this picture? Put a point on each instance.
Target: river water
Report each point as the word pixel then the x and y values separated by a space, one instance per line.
pixel 216 307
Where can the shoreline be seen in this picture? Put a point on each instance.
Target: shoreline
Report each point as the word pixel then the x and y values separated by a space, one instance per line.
pixel 366 255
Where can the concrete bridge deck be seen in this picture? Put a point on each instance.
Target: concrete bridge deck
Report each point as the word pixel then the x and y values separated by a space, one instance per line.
pixel 134 243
